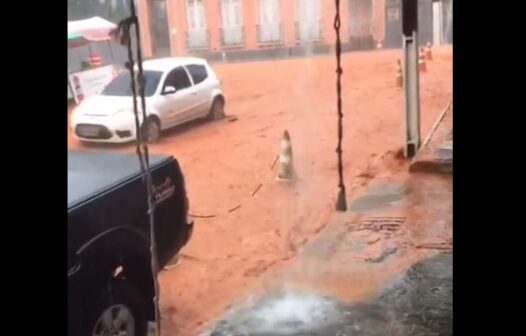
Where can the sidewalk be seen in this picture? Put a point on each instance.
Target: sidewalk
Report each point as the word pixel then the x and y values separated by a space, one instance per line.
pixel 437 155
pixel 382 268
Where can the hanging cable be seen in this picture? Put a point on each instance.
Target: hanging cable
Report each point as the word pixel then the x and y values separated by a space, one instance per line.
pixel 341 204
pixel 137 87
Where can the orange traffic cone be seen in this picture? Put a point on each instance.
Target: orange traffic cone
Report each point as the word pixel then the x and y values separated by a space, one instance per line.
pixel 286 168
pixel 399 77
pixel 429 53
pixel 422 61
pixel 95 60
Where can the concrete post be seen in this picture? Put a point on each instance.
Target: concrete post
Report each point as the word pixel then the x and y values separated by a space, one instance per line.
pixel 437 23
pixel 411 77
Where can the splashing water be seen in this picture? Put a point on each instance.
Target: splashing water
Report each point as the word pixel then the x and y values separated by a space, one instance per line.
pixel 286 313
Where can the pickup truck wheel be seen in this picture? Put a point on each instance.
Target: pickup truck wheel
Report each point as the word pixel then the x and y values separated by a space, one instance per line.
pixel 119 311
pixel 217 111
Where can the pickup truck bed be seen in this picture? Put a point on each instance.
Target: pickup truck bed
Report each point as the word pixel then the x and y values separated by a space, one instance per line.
pixel 90 173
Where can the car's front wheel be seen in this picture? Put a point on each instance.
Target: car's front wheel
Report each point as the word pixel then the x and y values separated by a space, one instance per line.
pixel 217 111
pixel 121 310
pixel 151 130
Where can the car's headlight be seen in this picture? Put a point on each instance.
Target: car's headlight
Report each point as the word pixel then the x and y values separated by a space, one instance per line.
pixel 125 117
pixel 73 117
pixel 127 113
pixel 122 118
pixel 122 114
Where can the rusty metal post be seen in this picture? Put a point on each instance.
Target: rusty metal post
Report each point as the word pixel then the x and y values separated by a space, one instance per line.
pixel 411 77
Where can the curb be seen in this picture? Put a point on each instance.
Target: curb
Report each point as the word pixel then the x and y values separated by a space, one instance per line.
pixel 431 166
pixel 436 153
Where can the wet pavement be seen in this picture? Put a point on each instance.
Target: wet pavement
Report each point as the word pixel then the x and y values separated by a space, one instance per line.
pixel 379 195
pixel 417 303
pixel 385 268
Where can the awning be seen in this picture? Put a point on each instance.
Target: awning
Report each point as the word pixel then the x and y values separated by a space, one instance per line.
pixel 92 29
pixel 76 40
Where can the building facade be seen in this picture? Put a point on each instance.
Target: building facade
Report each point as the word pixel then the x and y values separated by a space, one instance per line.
pixel 256 28
pixel 244 29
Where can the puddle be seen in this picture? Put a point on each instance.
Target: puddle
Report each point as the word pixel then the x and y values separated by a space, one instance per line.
pixel 379 196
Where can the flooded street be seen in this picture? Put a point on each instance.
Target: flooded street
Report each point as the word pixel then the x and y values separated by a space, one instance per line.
pixel 248 226
pixel 270 115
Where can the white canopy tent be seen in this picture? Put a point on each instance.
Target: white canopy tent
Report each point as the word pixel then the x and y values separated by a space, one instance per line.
pixel 95 29
pixel 92 29
pixel 84 33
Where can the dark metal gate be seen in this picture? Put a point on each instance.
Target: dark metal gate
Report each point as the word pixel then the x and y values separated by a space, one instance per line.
pixel 447 17
pixel 159 28
pixel 361 24
pixel 393 23
pixel 425 22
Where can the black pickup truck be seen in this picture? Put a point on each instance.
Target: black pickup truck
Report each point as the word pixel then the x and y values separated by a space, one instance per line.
pixel 110 285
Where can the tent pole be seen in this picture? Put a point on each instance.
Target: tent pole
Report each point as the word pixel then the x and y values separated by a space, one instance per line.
pixel 111 50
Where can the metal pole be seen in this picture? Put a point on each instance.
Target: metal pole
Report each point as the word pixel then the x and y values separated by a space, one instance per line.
pixel 411 77
pixel 111 50
pixel 449 21
pixel 438 20
pixel 147 173
pixel 341 203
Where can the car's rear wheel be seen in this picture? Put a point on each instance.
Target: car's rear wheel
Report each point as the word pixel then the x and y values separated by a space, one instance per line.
pixel 121 310
pixel 217 111
pixel 151 130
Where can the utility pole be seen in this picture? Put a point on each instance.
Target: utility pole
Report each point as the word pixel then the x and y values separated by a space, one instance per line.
pixel 411 77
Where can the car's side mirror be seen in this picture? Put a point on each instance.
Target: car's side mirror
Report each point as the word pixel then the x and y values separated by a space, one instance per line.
pixel 168 90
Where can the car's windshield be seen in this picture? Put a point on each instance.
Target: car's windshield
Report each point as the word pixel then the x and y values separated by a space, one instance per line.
pixel 121 85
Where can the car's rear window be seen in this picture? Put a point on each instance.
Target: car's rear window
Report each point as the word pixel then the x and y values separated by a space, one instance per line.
pixel 121 85
pixel 198 72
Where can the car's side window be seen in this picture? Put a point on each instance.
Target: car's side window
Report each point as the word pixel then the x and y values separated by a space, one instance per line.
pixel 198 72
pixel 178 78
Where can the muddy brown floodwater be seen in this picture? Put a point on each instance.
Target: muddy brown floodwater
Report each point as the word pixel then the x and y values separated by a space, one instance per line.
pixel 226 161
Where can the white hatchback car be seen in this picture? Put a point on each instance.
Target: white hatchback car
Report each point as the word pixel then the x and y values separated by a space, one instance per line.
pixel 176 90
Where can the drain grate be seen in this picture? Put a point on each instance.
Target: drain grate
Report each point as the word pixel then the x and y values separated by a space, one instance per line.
pixel 378 224
pixel 443 246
